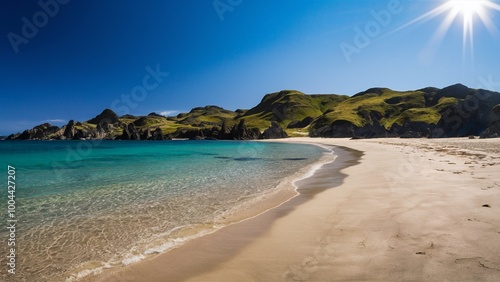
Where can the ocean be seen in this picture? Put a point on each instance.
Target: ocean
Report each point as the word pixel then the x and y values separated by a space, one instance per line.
pixel 81 206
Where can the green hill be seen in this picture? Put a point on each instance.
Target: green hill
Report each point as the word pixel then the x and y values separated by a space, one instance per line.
pixel 377 112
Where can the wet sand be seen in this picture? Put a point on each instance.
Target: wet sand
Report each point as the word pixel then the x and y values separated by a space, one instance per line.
pixel 409 210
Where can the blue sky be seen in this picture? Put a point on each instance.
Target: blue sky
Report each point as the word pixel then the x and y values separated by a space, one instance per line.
pixel 168 56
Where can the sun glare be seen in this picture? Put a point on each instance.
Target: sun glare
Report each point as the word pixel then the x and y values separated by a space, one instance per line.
pixel 467 12
pixel 468 8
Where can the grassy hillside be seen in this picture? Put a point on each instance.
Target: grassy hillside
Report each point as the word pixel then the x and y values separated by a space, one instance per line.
pixel 287 106
pixel 371 112
pixel 389 107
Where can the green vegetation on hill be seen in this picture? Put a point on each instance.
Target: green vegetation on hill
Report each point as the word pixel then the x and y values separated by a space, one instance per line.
pixel 289 105
pixel 389 107
pixel 374 112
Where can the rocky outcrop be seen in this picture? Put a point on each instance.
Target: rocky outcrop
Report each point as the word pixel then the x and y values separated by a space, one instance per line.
pixel 103 130
pixel 472 116
pixel 454 111
pixel 301 124
pixel 237 132
pixel 158 135
pixel 343 129
pixel 130 133
pixel 493 131
pixel 411 129
pixel 274 132
pixel 39 132
pixel 106 116
pixel 224 132
pixel 241 132
pixel 69 131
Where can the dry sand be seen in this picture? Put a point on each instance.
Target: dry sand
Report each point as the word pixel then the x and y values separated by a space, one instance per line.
pixel 425 210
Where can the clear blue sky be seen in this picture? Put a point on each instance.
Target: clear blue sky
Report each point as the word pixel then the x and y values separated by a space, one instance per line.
pixel 84 55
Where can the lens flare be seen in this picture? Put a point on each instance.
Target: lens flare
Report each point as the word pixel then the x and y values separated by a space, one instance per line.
pixel 468 11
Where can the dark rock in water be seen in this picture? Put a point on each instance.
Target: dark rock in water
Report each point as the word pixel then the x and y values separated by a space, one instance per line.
pixel 69 131
pixel 274 132
pixel 301 124
pixel 107 116
pixel 246 159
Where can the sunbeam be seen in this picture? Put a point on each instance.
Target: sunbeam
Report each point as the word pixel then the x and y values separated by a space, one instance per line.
pixel 469 10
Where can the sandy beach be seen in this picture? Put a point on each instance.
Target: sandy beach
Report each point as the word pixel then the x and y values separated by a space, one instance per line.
pixel 385 209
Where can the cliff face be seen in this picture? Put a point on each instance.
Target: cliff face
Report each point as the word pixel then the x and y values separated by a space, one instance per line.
pixel 453 111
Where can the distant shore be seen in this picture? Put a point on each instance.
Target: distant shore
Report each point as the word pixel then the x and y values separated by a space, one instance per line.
pixel 418 209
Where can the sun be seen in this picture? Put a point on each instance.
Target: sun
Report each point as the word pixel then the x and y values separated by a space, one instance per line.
pixel 468 8
pixel 467 12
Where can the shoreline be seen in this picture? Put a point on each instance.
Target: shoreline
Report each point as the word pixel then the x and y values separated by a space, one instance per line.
pixel 410 210
pixel 292 191
pixel 254 206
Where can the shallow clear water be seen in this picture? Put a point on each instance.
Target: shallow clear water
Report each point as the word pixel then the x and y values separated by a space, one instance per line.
pixel 87 204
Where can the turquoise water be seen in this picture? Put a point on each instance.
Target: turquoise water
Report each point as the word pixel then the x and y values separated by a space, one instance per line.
pixel 82 205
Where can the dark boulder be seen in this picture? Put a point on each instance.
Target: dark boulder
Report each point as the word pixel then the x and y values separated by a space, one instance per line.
pixel 274 132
